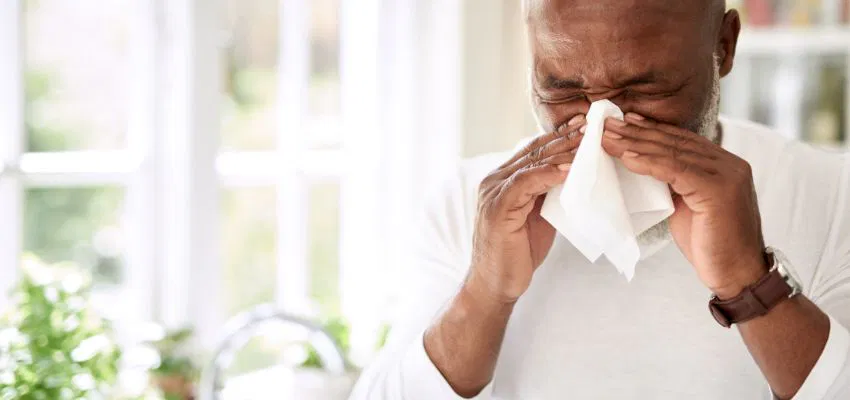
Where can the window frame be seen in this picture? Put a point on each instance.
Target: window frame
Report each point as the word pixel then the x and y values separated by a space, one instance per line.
pixel 11 144
pixel 173 170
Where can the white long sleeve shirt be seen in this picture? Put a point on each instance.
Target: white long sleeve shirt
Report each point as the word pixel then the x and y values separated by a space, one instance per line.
pixel 582 332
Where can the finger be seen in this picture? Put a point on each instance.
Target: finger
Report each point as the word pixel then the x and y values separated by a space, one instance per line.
pixel 616 146
pixel 616 128
pixel 527 184
pixel 573 125
pixel 544 139
pixel 684 178
pixel 649 123
pixel 564 145
pixel 560 160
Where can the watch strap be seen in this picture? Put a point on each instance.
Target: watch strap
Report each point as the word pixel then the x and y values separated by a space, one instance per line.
pixel 754 301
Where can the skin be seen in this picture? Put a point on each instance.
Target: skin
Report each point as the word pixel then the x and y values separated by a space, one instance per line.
pixel 656 60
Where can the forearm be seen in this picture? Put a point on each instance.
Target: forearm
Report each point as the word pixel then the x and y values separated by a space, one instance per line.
pixel 464 342
pixel 787 343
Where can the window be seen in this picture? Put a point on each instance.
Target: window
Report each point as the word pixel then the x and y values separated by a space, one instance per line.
pixel 66 108
pixel 200 160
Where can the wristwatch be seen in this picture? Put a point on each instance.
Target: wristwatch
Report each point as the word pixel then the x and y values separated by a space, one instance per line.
pixel 759 298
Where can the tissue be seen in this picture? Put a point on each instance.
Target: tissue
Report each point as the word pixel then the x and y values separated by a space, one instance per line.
pixel 603 207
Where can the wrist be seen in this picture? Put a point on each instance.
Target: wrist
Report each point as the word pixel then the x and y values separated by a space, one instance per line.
pixel 478 292
pixel 743 276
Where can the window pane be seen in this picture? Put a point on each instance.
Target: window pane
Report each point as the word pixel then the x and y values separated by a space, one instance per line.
pixel 324 89
pixel 82 225
pixel 250 75
pixel 324 248
pixel 76 73
pixel 249 245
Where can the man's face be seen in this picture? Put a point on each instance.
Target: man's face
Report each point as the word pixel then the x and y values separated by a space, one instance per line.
pixel 652 57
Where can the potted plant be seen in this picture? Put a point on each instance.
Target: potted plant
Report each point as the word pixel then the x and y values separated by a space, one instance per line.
pixel 176 374
pixel 53 345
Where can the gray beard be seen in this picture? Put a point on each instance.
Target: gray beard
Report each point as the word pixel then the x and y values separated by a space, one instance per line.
pixel 708 128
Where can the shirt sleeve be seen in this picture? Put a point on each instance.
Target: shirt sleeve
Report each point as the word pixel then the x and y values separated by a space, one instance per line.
pixel 830 377
pixel 403 369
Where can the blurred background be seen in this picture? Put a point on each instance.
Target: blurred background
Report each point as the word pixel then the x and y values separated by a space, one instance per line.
pixel 196 159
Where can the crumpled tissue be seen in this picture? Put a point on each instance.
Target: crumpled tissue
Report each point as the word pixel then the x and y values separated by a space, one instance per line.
pixel 602 208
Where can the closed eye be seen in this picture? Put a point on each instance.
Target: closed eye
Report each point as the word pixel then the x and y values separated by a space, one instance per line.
pixel 652 95
pixel 560 99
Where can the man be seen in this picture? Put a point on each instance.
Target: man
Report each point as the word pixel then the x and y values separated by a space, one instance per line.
pixel 502 307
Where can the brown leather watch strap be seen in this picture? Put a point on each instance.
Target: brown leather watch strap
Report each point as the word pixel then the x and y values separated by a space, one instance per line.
pixel 754 301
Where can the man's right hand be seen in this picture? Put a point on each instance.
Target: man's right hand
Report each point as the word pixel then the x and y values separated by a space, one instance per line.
pixel 511 239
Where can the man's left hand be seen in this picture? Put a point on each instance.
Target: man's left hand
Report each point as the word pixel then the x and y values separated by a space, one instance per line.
pixel 716 223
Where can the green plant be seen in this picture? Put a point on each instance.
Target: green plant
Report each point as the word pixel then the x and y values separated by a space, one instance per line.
pixel 174 354
pixel 177 372
pixel 52 344
pixel 383 335
pixel 340 331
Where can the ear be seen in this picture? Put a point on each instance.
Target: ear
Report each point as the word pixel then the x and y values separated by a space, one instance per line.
pixel 728 41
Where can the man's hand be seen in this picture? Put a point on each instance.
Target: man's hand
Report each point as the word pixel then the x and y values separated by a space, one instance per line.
pixel 716 223
pixel 511 239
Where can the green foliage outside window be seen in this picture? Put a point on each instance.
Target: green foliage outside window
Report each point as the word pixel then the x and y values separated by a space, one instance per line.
pixel 52 344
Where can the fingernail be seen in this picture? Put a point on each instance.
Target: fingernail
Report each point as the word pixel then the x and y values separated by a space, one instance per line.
pixel 583 129
pixel 564 167
pixel 613 135
pixel 635 116
pixel 578 119
pixel 629 154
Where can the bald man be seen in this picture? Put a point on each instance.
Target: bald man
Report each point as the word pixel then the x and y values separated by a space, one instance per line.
pixel 502 307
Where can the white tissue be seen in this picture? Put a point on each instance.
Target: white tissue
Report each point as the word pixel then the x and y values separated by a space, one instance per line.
pixel 603 207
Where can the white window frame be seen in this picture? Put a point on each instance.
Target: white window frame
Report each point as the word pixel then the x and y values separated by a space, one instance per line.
pixel 173 171
pixel 11 143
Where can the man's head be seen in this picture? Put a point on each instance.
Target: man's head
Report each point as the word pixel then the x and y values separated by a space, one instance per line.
pixel 659 58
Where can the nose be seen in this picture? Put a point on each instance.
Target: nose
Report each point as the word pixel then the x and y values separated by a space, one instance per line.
pixel 615 96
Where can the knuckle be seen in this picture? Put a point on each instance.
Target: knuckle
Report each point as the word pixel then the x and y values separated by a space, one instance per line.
pixel 487 208
pixel 672 151
pixel 515 179
pixel 520 179
pixel 534 155
pixel 679 141
pixel 747 168
pixel 483 198
pixel 484 187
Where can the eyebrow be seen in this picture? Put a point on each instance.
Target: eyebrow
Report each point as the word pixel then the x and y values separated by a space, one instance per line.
pixel 552 82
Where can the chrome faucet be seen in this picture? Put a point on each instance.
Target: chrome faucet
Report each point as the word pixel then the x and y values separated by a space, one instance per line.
pixel 242 327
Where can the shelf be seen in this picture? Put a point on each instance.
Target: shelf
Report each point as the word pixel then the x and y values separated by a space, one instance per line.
pixel 782 40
